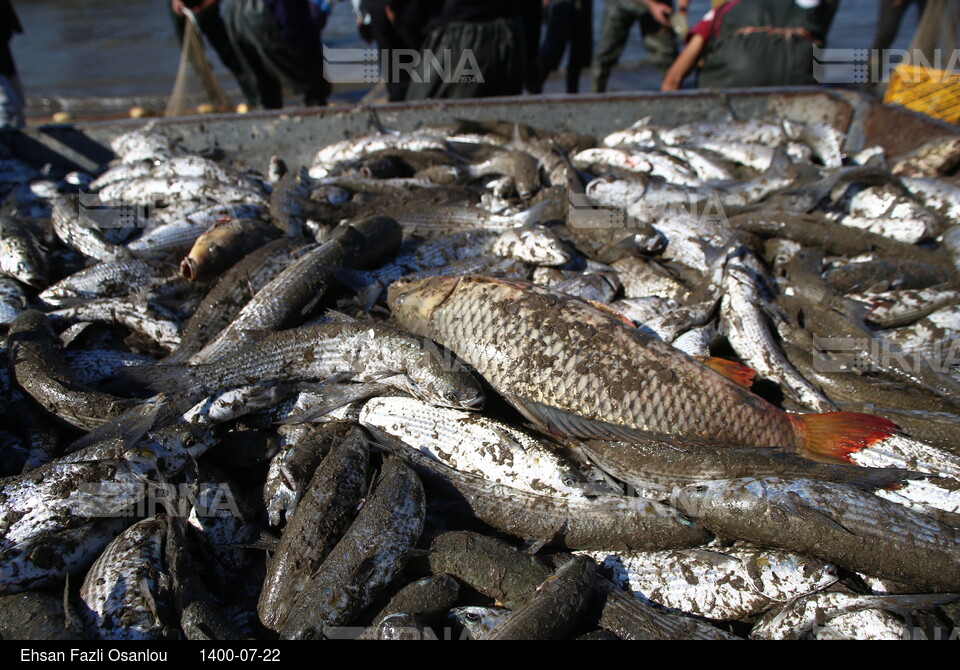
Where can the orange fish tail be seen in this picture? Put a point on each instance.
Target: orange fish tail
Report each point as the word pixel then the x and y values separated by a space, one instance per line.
pixel 836 435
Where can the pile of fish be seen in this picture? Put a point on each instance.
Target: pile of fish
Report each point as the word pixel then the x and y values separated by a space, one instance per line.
pixel 488 381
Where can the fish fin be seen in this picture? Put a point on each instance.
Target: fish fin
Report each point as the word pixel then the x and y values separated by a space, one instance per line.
pixel 712 556
pixel 736 372
pixel 564 423
pixel 514 283
pixel 264 541
pixel 170 378
pixel 131 426
pixel 336 394
pixel 798 508
pixel 368 290
pixel 610 311
pixel 836 435
pixel 866 479
pixel 556 537
pixel 72 620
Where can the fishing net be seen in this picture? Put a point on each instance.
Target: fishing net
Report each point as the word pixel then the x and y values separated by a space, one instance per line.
pixel 196 88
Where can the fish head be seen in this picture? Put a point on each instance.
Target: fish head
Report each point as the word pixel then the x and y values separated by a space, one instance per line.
pixel 819 574
pixel 445 382
pixel 477 622
pixel 699 499
pixel 414 303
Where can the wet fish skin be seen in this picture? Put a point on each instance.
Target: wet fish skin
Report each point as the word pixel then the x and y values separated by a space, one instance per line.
pixel 524 168
pixel 796 618
pixel 359 351
pixel 135 312
pixel 478 622
pixel 12 301
pixel 724 583
pixel 534 244
pixel 34 615
pixel 871 624
pixel 815 231
pixel 631 619
pixel 656 469
pixel 283 300
pixel 578 370
pixel 427 599
pixel 44 374
pixel 292 468
pixel 603 521
pixel 936 157
pixel 641 277
pixel 45 561
pixel 202 620
pixel 109 279
pixel 885 275
pixel 745 324
pixel 20 255
pixel 367 558
pixel 78 232
pixel 222 246
pixel 232 291
pixel 841 386
pixel 327 506
pixel 837 523
pixel 476 445
pixel 152 190
pixel 126 591
pixel 555 608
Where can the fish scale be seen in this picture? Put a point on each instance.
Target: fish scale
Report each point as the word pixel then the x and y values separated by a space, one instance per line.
pixel 532 345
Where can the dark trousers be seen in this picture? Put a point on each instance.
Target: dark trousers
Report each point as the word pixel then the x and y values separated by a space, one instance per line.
pixel 888 23
pixel 494 52
pixel 568 22
pixel 268 62
pixel 618 18
pixel 215 32
pixel 389 39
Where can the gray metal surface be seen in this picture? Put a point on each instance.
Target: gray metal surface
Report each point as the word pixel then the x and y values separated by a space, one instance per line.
pixel 296 135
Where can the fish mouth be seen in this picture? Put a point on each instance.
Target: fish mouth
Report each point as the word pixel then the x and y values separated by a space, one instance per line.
pixel 473 403
pixel 428 294
pixel 189 269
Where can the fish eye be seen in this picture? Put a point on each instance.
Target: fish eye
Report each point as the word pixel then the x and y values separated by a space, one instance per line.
pixel 700 489
pixel 569 481
pixel 188 439
pixel 805 567
pixel 472 617
pixel 451 396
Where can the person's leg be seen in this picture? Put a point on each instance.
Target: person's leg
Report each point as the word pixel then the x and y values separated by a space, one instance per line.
pixel 215 31
pixel 492 55
pixel 299 71
pixel 581 43
pixel 659 41
pixel 614 31
pixel 243 25
pixel 389 41
pixel 425 84
pixel 558 29
pixel 11 102
pixel 888 22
